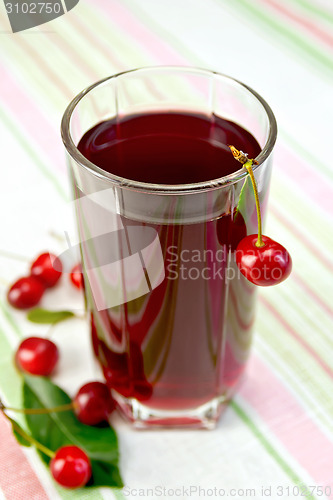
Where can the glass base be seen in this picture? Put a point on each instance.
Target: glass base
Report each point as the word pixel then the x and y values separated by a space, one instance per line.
pixel 143 417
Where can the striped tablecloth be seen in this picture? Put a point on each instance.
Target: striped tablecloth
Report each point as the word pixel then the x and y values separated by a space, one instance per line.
pixel 278 432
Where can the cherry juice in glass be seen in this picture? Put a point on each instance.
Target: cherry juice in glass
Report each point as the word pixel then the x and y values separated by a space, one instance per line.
pixel 168 349
pixel 172 355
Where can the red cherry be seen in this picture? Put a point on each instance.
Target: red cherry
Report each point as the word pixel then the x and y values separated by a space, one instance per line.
pixel 71 467
pixel 93 403
pixel 264 266
pixel 37 356
pixel 76 276
pixel 25 293
pixel 47 268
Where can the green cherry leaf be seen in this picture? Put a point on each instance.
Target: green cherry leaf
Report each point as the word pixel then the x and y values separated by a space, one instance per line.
pixel 54 430
pixel 245 198
pixel 44 316
pixel 18 433
pixel 105 474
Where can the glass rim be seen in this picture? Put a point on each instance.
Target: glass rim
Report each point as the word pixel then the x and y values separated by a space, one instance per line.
pixel 123 182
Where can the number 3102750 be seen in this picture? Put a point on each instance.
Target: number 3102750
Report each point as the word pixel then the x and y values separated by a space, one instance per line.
pixel 33 8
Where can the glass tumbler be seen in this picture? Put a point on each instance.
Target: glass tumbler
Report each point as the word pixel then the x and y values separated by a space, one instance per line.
pixel 171 332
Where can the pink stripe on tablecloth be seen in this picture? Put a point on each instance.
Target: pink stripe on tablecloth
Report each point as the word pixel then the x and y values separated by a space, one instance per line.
pixel 308 290
pixel 99 43
pixel 17 478
pixel 307 240
pixel 126 21
pixel 320 34
pixel 316 186
pixel 297 336
pixel 29 116
pixel 288 421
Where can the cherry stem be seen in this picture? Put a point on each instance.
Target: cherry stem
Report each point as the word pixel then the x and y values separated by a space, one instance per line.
pixel 247 163
pixel 248 166
pixel 41 411
pixel 27 437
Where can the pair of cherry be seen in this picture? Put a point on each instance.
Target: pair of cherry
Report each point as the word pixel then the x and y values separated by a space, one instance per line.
pixel 27 292
pixel 93 404
pixel 70 466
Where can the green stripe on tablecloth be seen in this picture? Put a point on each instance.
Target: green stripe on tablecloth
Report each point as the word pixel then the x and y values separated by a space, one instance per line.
pixel 118 495
pixel 322 166
pixel 267 445
pixel 10 318
pixel 82 494
pixel 314 8
pixel 304 344
pixel 24 142
pixel 292 298
pixel 128 48
pixel 296 207
pixel 5 347
pixel 307 255
pixel 294 200
pixel 321 409
pixel 295 204
pixel 289 302
pixel 310 53
pixel 33 74
pixel 159 30
pixel 44 67
pixel 302 365
pixel 11 390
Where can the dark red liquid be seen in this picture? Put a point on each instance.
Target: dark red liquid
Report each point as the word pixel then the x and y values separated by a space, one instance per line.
pixel 167 148
pixel 186 341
